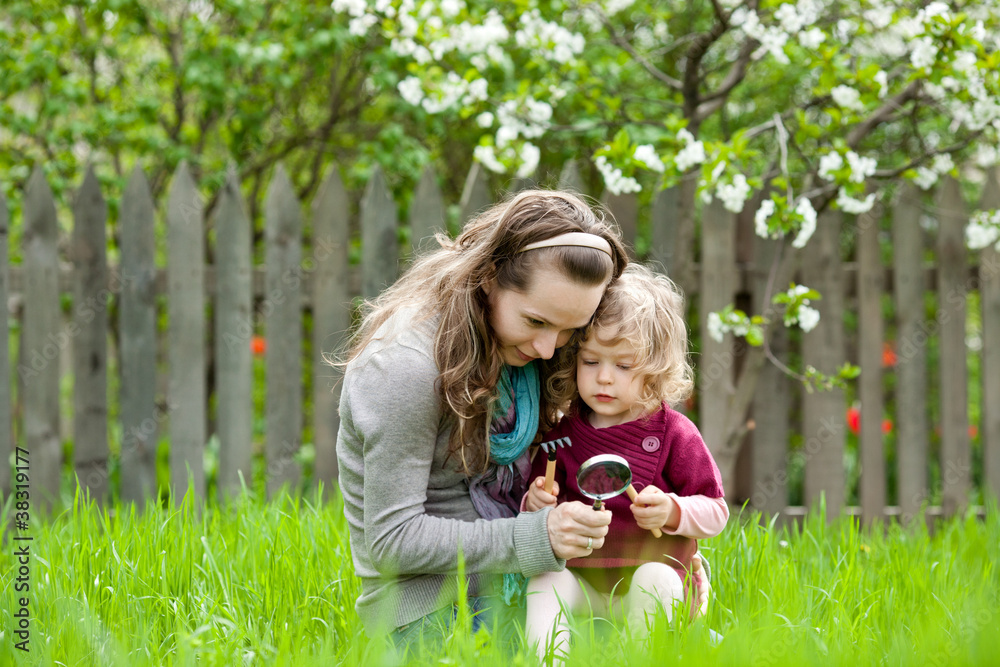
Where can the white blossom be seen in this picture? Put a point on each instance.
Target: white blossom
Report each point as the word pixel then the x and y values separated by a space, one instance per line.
pixel 485 119
pixel 411 89
pixel 614 180
pixel 808 318
pixel 828 164
pixel 933 10
pixel 646 154
pixel 735 194
pixel 847 98
pixel 924 52
pixel 773 42
pixel 983 230
pixel 760 218
pixel 716 329
pixel 805 209
pixel 547 38
pixel 359 26
pixel 693 152
pixel 612 7
pixel 354 8
pixel 964 62
pixel 861 167
pixel 529 160
pixel 849 204
pixel 943 163
pixel 882 79
pixel 789 18
pixel 812 38
pixel 986 155
pixel 925 178
pixel 487 157
pixel 880 17
pixel 451 8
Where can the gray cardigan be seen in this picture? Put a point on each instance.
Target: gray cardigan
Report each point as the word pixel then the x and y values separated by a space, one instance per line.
pixel 408 510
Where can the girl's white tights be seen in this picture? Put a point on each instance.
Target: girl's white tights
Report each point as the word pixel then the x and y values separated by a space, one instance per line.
pixel 553 595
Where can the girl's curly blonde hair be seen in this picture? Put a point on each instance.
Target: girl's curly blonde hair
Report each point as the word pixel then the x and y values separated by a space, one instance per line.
pixel 448 283
pixel 646 309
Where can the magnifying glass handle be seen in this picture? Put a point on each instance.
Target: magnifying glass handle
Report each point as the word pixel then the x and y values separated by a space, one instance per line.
pixel 630 490
pixel 550 471
pixel 598 505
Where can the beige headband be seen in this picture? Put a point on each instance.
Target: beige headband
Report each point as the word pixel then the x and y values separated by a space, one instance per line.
pixel 580 239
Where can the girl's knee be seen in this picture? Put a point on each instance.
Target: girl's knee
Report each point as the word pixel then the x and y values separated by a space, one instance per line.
pixel 660 578
pixel 553 582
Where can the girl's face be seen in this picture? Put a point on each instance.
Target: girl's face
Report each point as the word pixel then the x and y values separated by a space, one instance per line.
pixel 606 380
pixel 532 324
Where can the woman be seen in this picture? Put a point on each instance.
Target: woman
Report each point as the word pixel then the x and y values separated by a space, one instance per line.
pixel 443 392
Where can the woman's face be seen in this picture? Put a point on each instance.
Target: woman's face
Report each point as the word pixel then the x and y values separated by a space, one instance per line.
pixel 532 324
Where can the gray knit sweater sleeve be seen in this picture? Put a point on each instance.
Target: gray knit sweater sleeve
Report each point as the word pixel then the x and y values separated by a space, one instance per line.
pixel 408 508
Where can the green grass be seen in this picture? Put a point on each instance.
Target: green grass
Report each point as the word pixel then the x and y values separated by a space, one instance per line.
pixel 272 584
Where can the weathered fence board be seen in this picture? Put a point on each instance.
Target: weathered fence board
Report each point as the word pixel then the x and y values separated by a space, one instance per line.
pixel 625 209
pixel 283 308
pixel 187 331
pixel 90 344
pixel 427 214
pixel 953 288
pixel 989 286
pixel 871 333
pixel 379 245
pixel 663 221
pixel 6 423
pixel 476 195
pixel 234 328
pixel 912 433
pixel 715 360
pixel 331 319
pixel 824 348
pixel 137 323
pixel 772 401
pixel 570 179
pixel 41 341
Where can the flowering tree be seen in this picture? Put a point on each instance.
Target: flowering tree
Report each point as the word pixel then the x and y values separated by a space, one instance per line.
pixel 796 106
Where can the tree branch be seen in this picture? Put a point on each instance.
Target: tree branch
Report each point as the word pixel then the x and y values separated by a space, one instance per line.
pixel 626 46
pixel 714 100
pixel 882 114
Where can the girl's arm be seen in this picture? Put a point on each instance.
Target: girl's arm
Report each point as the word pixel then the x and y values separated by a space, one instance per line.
pixel 701 517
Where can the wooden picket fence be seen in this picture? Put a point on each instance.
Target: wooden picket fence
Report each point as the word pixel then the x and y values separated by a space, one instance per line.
pixel 243 297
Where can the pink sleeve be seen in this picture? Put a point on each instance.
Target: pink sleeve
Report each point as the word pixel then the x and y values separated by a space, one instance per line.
pixel 701 517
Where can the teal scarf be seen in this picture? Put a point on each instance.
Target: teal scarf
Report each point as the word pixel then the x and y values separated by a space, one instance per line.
pixel 523 383
pixel 505 448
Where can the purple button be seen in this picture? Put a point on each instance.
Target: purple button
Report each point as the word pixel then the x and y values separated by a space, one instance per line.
pixel 651 444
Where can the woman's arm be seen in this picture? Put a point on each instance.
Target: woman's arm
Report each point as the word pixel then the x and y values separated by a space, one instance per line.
pixel 392 421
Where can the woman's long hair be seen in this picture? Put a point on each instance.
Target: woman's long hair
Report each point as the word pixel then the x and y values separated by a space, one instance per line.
pixel 449 283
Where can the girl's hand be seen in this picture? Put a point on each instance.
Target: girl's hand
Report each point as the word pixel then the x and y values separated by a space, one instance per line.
pixel 575 529
pixel 538 498
pixel 655 509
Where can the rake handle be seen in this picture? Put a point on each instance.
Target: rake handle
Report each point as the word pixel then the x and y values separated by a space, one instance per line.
pixel 550 471
pixel 630 490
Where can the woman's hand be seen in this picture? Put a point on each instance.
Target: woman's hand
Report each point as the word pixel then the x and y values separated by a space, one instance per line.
pixel 653 508
pixel 538 498
pixel 575 529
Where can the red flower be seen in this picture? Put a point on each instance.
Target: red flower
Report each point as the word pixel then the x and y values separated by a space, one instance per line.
pixel 258 345
pixel 973 431
pixel 888 354
pixel 854 420
pixel 886 426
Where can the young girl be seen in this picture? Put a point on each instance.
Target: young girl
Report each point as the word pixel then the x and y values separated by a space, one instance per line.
pixel 630 366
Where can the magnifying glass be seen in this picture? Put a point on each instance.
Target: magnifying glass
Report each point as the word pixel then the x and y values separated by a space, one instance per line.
pixel 606 476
